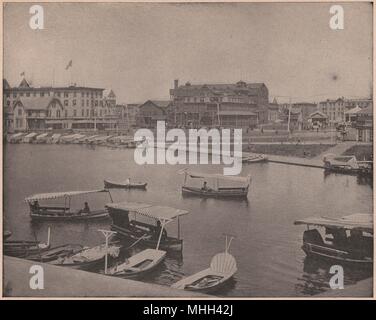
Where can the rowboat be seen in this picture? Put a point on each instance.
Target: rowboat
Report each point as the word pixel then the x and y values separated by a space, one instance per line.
pixel 87 258
pixel 148 259
pixel 124 222
pixel 16 138
pixel 229 191
pixel 54 138
pixel 78 138
pixel 29 137
pixel 111 184
pixel 7 234
pixel 55 253
pixel 42 138
pixel 255 158
pixel 24 248
pixel 221 270
pixel 63 212
pixel 346 240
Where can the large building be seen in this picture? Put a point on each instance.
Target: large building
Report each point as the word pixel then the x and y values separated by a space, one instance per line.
pixel 364 124
pixel 336 109
pixel 152 111
pixel 72 107
pixel 231 105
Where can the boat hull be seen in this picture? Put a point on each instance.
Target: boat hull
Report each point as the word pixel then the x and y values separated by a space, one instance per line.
pixel 170 243
pixel 69 217
pixel 109 185
pixel 234 193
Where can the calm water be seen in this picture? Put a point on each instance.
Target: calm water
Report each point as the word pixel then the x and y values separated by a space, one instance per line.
pixel 267 248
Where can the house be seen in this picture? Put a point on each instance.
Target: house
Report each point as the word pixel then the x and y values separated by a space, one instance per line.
pixel 364 124
pixel 197 105
pixel 318 118
pixel 152 111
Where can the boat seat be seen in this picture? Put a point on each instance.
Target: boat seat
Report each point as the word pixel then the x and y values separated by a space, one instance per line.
pixel 313 236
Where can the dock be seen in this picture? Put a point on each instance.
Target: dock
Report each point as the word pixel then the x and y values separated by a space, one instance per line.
pixel 65 282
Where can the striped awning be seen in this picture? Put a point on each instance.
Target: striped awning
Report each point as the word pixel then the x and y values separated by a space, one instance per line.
pixel 56 195
pixel 154 212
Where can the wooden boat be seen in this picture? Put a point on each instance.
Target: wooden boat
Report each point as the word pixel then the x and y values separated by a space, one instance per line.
pixel 148 259
pixel 29 137
pixel 124 222
pixel 88 257
pixel 346 240
pixel 54 138
pixel 341 164
pixel 63 212
pixel 24 248
pixel 217 191
pixel 221 270
pixel 134 185
pixel 55 253
pixel 16 138
pixel 7 234
pixel 255 158
pixel 42 138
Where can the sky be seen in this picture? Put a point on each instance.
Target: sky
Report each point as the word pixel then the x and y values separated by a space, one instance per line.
pixel 139 49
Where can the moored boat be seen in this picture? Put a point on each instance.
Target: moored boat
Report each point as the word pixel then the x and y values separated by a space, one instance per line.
pixel 254 158
pixel 217 191
pixel 119 185
pixel 55 253
pixel 63 212
pixel 346 240
pixel 29 137
pixel 16 138
pixel 221 270
pixel 88 257
pixel 42 138
pixel 125 223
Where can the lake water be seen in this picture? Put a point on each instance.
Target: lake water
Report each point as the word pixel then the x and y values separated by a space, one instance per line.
pixel 267 245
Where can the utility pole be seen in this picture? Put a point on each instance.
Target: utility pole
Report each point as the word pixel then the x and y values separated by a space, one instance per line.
pixel 288 121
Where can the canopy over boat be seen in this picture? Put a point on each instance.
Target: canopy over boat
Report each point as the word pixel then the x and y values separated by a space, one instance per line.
pixel 155 212
pixel 43 135
pixel 197 175
pixel 56 195
pixel 16 135
pixel 358 221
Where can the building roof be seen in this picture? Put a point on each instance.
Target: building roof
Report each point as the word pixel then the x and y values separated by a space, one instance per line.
pixel 368 110
pixel 109 93
pixel 317 115
pixel 35 103
pixel 24 84
pixel 353 110
pixel 219 89
pixel 5 84
pixel 161 103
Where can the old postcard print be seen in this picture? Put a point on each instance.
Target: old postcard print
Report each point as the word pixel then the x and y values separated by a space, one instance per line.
pixel 200 149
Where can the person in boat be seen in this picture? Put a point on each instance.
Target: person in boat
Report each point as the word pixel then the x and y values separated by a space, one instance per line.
pixel 157 231
pixel 205 187
pixel 86 209
pixel 35 206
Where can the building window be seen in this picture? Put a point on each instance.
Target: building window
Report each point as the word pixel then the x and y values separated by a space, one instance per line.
pixel 82 103
pixel 74 102
pixel 20 112
pixel 66 113
pixel 57 113
pixel 14 95
pixel 21 94
pixel 8 103
pixel 66 95
pixel 74 112
pixel 100 112
pixel 87 112
pixel 74 94
pixel 96 103
pixel 87 103
pixel 27 94
pixel 58 94
pixel 8 95
pixel 42 94
pixel 82 112
pixel 87 94
pixel 82 94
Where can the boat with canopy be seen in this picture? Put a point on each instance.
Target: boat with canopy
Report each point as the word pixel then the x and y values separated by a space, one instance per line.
pixel 348 239
pixel 217 190
pixel 341 164
pixel 42 138
pixel 148 259
pixel 29 137
pixel 221 270
pixel 54 138
pixel 126 221
pixel 63 211
pixel 16 138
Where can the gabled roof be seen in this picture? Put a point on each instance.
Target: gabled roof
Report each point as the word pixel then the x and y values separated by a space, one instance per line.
pixel 368 110
pixel 161 103
pixel 24 84
pixel 36 103
pixel 353 110
pixel 317 114
pixel 6 84
pixel 109 93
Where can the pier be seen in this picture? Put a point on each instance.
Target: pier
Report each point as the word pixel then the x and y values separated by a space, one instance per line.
pixel 66 282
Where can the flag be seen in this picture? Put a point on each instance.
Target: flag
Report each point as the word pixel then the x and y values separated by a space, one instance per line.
pixel 22 74
pixel 69 65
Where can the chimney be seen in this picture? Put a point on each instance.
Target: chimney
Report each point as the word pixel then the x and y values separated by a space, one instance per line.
pixel 176 83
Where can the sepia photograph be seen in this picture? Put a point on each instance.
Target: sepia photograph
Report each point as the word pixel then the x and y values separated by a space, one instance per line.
pixel 187 150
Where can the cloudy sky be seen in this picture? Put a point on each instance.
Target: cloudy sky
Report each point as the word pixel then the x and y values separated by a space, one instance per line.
pixel 139 49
